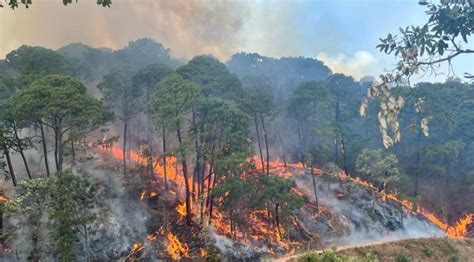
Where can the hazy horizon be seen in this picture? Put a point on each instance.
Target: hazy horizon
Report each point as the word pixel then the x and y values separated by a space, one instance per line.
pixel 343 34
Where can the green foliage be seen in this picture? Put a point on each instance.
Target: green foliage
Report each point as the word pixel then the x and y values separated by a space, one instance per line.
pixel 30 197
pixel 448 21
pixel 402 258
pixel 454 258
pixel 213 77
pixel 420 49
pixel 62 104
pixel 143 52
pixel 213 254
pixel 173 97
pixel 69 202
pixel 36 60
pixel 377 166
pixel 274 190
pixel 259 97
pixel 148 77
pixel 308 257
pixel 331 255
pixel 120 93
pixel 60 98
pixel 225 129
pixel 70 211
pixel 427 252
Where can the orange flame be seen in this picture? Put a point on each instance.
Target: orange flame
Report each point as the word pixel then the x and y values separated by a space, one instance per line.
pixel 458 230
pixel 3 198
pixel 175 248
pixel 181 209
pixel 136 247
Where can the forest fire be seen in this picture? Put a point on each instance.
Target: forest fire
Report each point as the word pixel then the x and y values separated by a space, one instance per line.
pixel 259 226
pixel 458 230
pixel 175 248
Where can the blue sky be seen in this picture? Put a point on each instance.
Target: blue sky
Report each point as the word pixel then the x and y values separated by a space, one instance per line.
pixel 342 33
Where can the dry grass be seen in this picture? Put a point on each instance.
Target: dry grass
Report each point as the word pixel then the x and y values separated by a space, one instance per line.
pixel 440 249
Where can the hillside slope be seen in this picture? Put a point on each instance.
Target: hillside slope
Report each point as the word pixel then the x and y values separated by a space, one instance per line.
pixel 430 249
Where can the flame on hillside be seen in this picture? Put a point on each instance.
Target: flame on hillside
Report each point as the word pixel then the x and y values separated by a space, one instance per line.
pixel 458 230
pixel 259 226
pixel 175 248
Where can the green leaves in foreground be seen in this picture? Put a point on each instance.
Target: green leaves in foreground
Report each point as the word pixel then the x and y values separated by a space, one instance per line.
pixel 68 200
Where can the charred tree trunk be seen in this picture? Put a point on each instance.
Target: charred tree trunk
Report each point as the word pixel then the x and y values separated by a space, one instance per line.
pixel 45 150
pixel 185 175
pixel 266 144
pixel 259 143
pixel 163 139
pixel 211 207
pixel 209 177
pixel 314 188
pixel 6 152
pixel 22 153
pixel 198 157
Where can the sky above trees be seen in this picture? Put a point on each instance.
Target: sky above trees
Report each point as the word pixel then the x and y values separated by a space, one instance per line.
pixel 342 33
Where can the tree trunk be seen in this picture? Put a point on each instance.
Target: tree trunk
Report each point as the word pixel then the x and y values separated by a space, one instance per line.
pixel 197 168
pixel 73 152
pixel 86 243
pixel 9 164
pixel 56 149
pixel 45 150
pixel 344 155
pixel 58 146
pixel 22 153
pixel 185 175
pixel 124 149
pixel 209 177
pixel 259 144
pixel 337 119
pixel 211 207
pixel 163 139
pixel 283 155
pixel 266 144
pixel 277 219
pixel 417 170
pixel 60 150
pixel 314 188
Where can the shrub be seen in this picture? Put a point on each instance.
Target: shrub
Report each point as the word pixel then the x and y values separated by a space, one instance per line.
pixel 403 258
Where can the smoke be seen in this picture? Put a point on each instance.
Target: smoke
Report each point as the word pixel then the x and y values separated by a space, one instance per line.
pixel 360 64
pixel 361 224
pixel 187 27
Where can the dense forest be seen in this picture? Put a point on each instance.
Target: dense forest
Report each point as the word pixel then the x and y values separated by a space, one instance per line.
pixel 133 154
pixel 216 122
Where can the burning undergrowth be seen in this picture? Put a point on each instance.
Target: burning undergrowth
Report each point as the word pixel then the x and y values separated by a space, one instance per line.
pixel 151 222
